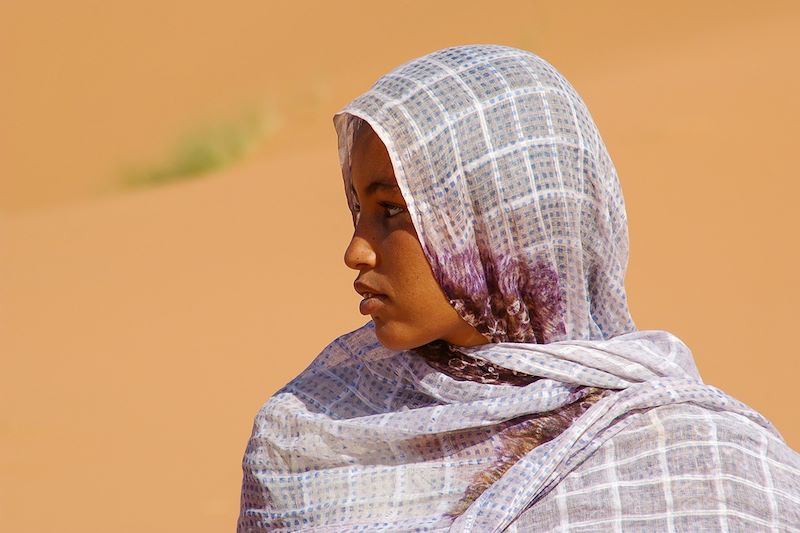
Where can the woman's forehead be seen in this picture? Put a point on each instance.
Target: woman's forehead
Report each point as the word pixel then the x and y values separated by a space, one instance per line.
pixel 370 161
pixel 366 139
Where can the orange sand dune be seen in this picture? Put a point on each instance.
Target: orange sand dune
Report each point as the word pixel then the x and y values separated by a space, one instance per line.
pixel 140 330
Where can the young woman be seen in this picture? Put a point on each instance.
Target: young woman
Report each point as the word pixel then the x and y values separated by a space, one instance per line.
pixel 501 384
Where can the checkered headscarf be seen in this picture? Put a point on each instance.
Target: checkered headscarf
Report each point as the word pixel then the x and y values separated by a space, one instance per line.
pixel 570 419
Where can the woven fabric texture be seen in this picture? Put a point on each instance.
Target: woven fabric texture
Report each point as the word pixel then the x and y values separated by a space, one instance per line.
pixel 570 418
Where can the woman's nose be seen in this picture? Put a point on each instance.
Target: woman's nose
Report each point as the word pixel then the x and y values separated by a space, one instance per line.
pixel 359 254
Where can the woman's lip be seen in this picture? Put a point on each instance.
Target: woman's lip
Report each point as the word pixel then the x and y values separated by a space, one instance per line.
pixel 370 305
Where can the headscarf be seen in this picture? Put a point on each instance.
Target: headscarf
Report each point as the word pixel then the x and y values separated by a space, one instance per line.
pixel 518 209
pixel 513 195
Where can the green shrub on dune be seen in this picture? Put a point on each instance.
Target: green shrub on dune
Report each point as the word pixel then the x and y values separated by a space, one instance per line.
pixel 204 150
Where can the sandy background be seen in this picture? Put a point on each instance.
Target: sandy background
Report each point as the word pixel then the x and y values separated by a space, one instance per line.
pixel 141 328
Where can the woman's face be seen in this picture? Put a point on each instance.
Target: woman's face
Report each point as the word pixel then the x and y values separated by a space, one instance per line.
pixel 412 310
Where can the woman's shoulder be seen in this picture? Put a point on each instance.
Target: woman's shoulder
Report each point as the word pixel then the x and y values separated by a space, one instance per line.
pixel 353 376
pixel 689 466
pixel 683 430
pixel 688 442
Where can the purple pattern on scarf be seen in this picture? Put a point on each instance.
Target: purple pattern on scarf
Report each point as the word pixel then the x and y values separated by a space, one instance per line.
pixel 520 435
pixel 463 367
pixel 504 298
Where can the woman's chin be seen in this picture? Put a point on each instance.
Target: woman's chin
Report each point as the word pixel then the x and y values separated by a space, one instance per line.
pixel 390 338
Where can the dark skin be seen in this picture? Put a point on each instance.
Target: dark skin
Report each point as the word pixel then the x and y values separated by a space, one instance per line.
pixel 387 253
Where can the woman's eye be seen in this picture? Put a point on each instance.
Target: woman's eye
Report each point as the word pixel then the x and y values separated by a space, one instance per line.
pixel 387 209
pixel 390 206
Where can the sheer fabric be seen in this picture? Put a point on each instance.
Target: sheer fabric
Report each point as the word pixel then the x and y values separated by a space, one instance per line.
pixel 570 419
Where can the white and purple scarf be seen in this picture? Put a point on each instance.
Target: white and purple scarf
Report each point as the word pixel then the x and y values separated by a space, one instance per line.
pixel 569 419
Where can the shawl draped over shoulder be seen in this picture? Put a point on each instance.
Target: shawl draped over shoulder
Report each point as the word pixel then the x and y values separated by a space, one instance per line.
pixel 570 418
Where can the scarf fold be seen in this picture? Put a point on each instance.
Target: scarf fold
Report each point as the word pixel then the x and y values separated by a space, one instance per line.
pixel 367 437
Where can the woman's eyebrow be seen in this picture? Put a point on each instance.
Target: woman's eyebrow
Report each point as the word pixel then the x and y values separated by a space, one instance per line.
pixel 376 185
